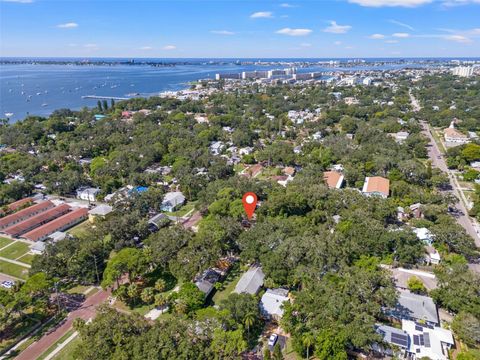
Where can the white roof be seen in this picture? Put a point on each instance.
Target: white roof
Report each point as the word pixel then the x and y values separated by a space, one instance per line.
pixel 174 198
pixel 101 210
pixel 273 300
pixel 428 342
pixel 423 233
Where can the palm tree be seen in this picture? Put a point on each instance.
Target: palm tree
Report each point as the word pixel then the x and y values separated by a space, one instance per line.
pixel 160 285
pixel 249 320
pixel 308 339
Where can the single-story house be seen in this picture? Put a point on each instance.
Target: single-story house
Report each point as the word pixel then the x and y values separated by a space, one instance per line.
pixel 333 179
pixel 217 147
pixel 431 342
pixel 391 335
pixel 206 282
pixel 251 281
pixel 415 307
pixel 156 222
pixel 271 304
pixel 431 255
pixel 99 211
pixel 452 135
pixel 424 235
pixel 88 193
pixel 376 186
pixel 172 201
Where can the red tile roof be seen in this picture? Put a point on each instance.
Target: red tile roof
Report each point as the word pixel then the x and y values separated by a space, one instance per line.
pixel 24 214
pixel 36 221
pixel 377 184
pixel 56 225
pixel 17 204
pixel 332 179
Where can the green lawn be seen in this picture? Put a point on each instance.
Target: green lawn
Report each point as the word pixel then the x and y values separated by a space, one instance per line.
pixel 4 242
pixel 228 285
pixel 183 210
pixel 15 250
pixel 67 351
pixel 81 229
pixel 13 269
pixel 27 259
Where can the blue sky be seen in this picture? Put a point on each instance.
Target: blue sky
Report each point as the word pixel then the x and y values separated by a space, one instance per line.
pixel 240 29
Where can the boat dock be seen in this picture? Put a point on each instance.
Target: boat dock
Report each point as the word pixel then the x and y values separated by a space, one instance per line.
pixel 98 97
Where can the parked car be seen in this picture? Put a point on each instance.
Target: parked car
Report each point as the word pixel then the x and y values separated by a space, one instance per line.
pixel 272 339
pixel 7 284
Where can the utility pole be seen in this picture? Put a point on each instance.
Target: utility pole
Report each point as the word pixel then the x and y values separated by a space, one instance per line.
pixel 96 268
pixel 58 299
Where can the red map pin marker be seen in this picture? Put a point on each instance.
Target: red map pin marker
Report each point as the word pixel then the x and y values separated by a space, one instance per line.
pixel 249 203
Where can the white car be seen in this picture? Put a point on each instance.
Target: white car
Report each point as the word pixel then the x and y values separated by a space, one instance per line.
pixel 7 284
pixel 272 339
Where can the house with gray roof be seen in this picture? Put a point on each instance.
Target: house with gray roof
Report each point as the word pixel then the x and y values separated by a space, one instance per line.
pixel 415 307
pixel 251 281
pixel 172 201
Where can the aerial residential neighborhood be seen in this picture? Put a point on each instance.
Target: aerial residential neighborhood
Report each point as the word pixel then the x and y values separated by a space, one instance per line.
pixel 227 180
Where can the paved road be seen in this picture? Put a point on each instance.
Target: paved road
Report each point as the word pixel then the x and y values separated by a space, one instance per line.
pixel 439 161
pixel 86 311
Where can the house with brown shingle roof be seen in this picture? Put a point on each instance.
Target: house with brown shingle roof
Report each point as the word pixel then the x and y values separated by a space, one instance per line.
pixel 333 179
pixel 377 186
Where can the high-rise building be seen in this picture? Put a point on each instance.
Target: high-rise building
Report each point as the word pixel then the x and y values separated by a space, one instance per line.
pixel 463 71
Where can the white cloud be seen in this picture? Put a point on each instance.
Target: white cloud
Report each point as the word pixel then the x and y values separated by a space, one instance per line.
pixel 337 29
pixel 349 47
pixel 391 41
pixel 19 1
pixel 146 48
pixel 459 2
pixel 287 5
pixel 261 14
pixel 69 25
pixel 305 44
pixel 294 32
pixel 377 36
pixel 337 43
pixel 222 32
pixel 91 46
pixel 399 23
pixel 169 47
pixel 401 35
pixel 390 3
pixel 458 38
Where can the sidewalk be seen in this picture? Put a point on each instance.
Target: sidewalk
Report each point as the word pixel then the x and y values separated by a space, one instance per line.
pixel 85 312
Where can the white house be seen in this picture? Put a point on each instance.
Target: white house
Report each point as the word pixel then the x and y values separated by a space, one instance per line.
pixel 424 235
pixel 272 302
pixel 217 147
pixel 88 194
pixel 245 150
pixel 172 201
pixel 431 342
pixel 432 256
pixel 452 135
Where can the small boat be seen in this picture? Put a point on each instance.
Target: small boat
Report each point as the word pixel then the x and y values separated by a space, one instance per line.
pixel 39 93
pixel 44 104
